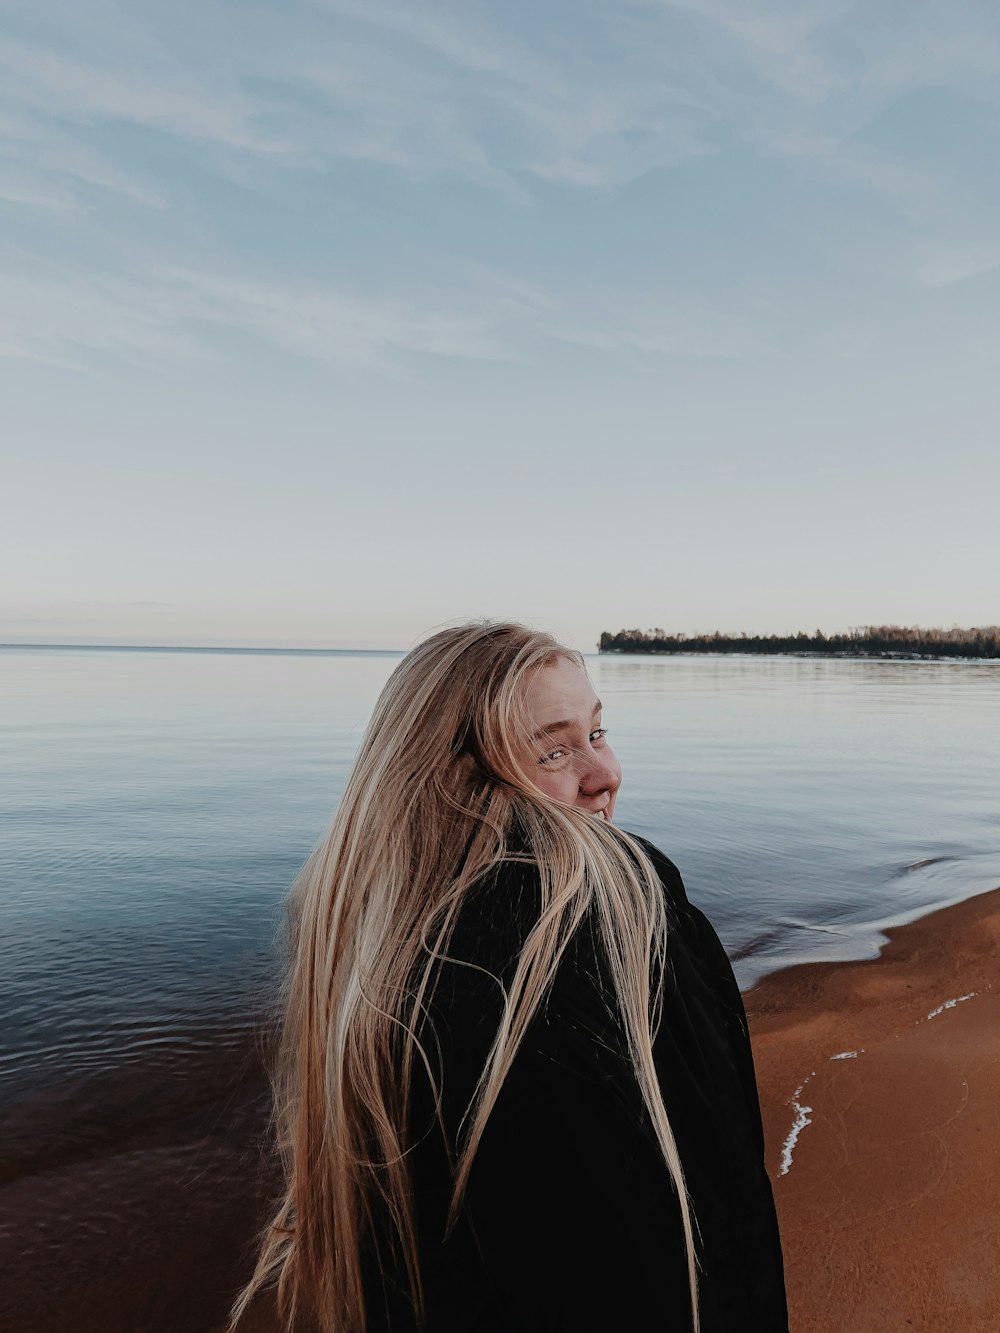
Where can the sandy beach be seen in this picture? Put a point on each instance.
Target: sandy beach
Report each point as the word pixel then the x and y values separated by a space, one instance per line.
pixel 880 1089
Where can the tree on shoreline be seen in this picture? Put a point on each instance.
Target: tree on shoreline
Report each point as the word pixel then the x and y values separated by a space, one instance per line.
pixel 864 641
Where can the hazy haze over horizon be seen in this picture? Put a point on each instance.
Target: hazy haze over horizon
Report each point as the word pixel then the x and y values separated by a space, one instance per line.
pixel 324 324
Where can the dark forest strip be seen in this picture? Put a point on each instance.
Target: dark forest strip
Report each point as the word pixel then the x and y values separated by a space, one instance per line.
pixel 867 641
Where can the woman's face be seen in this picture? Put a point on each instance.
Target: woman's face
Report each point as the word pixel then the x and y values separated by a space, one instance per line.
pixel 570 758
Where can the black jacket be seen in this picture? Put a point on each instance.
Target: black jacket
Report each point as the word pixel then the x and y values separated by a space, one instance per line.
pixel 570 1220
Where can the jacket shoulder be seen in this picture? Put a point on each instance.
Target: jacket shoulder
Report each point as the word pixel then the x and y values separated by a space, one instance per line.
pixel 670 876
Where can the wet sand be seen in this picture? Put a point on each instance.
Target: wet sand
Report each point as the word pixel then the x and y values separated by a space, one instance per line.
pixel 889 1197
pixel 136 1216
pixel 885 1162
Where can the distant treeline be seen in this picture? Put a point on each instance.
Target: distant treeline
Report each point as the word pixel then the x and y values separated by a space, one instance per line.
pixel 866 641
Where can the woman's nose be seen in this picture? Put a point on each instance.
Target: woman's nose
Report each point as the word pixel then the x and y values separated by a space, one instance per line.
pixel 599 772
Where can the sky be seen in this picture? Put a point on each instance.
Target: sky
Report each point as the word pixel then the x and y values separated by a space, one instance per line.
pixel 328 322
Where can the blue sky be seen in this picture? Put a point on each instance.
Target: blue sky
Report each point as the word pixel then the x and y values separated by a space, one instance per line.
pixel 326 323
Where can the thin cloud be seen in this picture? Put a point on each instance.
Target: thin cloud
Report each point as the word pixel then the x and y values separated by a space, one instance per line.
pixel 945 267
pixel 473 101
pixel 332 326
pixel 167 99
pixel 847 162
pixel 781 43
pixel 167 317
pixel 640 85
pixel 57 162
pixel 520 106
pixel 677 330
pixel 32 195
pixel 160 319
pixel 397 86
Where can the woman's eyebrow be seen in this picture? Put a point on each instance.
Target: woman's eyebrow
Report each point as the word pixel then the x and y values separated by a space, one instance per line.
pixel 564 725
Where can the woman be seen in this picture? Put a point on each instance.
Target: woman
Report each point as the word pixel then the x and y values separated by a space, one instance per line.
pixel 517 1092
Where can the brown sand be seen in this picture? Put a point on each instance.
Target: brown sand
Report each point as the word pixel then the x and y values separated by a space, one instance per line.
pixel 890 1209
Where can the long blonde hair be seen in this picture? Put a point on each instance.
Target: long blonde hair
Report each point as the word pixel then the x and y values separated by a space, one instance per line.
pixel 432 803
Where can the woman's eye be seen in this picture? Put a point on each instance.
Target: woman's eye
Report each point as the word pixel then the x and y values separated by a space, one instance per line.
pixel 553 756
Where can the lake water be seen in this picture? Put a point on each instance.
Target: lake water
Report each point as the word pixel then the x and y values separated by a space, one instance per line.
pixel 157 804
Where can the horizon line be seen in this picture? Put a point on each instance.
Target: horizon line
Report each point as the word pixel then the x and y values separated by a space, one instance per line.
pixel 206 648
pixel 233 649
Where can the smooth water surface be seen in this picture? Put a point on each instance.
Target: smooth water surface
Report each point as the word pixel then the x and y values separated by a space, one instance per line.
pixel 811 801
pixel 156 806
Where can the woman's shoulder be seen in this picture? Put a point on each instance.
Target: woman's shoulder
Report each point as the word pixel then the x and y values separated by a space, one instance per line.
pixel 669 875
pixel 499 908
pixel 477 956
pixel 693 932
pixel 503 904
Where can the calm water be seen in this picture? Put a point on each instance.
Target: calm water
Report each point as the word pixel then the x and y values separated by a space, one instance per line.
pixel 157 805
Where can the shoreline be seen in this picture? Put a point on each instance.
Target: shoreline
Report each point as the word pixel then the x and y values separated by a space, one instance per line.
pixel 880 1095
pixel 860 941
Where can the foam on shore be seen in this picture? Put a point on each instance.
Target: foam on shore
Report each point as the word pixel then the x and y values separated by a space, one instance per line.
pixel 803 1117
